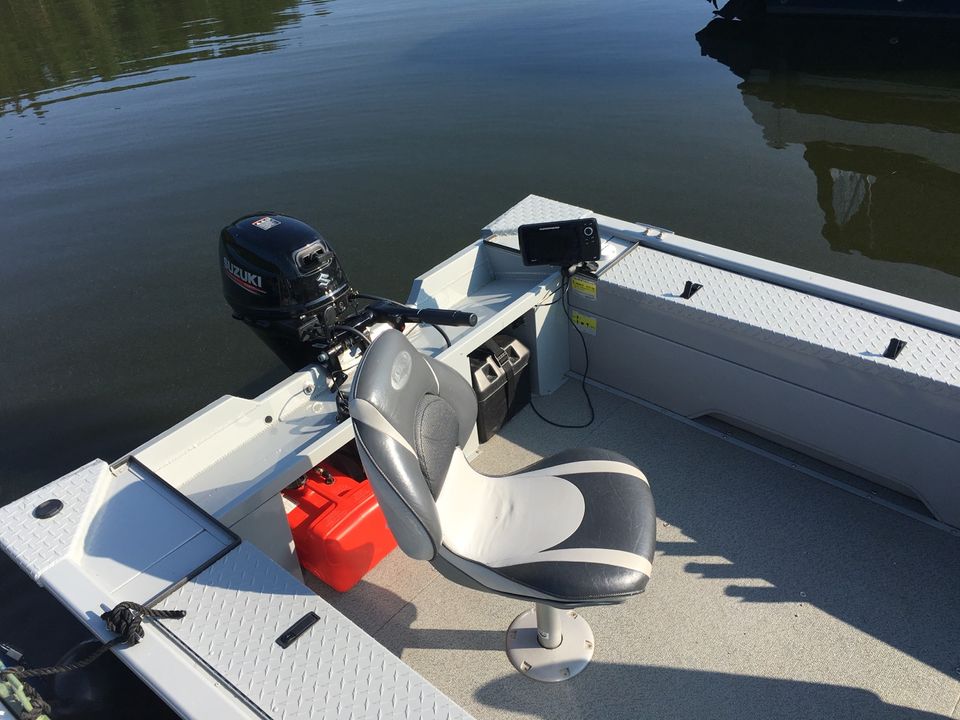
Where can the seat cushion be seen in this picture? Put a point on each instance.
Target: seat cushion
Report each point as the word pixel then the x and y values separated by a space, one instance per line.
pixel 435 432
pixel 579 527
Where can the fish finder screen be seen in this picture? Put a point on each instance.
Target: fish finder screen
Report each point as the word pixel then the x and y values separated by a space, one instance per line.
pixel 560 243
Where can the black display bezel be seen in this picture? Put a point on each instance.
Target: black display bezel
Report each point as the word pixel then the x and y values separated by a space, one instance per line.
pixel 562 243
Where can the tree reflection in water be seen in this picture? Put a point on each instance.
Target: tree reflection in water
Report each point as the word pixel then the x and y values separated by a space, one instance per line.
pixel 877 107
pixel 64 45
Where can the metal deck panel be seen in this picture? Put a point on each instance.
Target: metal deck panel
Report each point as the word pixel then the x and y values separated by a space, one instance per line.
pixel 532 209
pixel 238 607
pixel 121 527
pixel 36 545
pixel 800 321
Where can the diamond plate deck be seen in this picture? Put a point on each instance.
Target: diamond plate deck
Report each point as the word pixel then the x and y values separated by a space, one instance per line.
pixel 533 209
pixel 790 318
pixel 35 544
pixel 238 607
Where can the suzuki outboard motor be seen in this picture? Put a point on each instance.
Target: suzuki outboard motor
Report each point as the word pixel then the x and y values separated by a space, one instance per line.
pixel 284 280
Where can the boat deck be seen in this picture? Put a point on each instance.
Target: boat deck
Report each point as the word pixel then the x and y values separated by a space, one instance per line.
pixel 774 594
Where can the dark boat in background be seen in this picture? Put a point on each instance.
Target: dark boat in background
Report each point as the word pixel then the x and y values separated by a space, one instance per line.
pixel 855 8
pixel 876 106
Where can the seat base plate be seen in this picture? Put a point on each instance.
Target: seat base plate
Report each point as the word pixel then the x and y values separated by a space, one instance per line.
pixel 536 662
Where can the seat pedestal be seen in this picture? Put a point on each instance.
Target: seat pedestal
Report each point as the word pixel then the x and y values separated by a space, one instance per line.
pixel 533 631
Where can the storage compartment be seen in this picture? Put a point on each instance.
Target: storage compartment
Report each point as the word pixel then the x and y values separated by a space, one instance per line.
pixel 501 382
pixel 802 370
pixel 338 528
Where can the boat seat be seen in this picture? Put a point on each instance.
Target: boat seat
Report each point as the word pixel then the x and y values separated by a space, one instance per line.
pixel 575 529
pixel 580 528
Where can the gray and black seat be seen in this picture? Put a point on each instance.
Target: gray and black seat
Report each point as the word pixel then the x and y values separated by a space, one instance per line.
pixel 575 529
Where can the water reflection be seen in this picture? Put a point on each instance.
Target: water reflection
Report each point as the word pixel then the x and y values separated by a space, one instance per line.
pixel 877 107
pixel 56 51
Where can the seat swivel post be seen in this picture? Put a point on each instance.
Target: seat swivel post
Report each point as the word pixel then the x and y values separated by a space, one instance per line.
pixel 549 626
pixel 562 648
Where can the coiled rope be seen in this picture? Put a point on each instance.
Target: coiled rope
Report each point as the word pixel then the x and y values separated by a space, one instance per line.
pixel 126 620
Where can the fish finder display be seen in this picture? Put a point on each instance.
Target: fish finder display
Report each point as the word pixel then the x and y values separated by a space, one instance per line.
pixel 564 243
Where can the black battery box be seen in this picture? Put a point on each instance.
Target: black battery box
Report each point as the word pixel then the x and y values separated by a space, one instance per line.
pixel 501 382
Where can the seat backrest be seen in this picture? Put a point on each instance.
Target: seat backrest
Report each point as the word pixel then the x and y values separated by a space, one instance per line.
pixel 409 414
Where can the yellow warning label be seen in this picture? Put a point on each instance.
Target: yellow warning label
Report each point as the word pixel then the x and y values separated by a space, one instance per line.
pixel 585 323
pixel 584 286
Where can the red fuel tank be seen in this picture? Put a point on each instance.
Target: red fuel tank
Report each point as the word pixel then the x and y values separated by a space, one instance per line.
pixel 338 528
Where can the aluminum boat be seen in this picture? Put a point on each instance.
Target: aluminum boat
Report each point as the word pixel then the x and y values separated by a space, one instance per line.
pixel 800 436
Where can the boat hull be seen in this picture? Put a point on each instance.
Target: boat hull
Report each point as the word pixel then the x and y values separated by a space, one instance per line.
pixel 891 8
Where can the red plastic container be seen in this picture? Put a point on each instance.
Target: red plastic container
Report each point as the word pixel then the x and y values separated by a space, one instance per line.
pixel 338 528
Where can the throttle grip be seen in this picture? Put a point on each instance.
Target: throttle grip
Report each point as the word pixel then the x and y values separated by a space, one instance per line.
pixel 436 316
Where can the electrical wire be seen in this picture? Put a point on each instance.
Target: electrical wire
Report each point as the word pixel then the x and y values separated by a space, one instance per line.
pixel 354 331
pixel 556 299
pixel 446 338
pixel 565 304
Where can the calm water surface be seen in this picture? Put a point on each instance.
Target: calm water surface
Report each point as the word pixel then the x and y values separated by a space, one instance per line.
pixel 132 130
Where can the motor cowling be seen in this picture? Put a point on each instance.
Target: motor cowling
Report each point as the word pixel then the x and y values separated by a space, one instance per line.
pixel 282 278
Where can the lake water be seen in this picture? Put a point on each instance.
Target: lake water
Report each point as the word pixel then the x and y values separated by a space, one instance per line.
pixel 132 130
